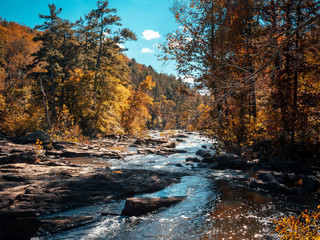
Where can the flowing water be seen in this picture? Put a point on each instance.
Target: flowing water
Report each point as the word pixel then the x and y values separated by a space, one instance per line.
pixel 216 207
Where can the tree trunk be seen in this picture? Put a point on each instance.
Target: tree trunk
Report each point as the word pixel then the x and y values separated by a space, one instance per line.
pixel 44 97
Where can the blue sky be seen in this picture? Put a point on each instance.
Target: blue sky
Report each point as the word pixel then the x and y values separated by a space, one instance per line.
pixel 137 15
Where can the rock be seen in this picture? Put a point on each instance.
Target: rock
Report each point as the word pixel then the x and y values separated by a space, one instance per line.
pixel 179 165
pixel 147 151
pixel 109 214
pixel 34 136
pixel 58 146
pixel 181 136
pixel 266 181
pixel 204 153
pixel 208 160
pixel 311 183
pixel 50 189
pixel 140 206
pixel 231 161
pixel 204 146
pixel 288 166
pixel 169 151
pixel 193 159
pixel 13 178
pixel 75 153
pixel 19 224
pixel 150 142
pixel 18 157
pixel 171 144
pixel 63 223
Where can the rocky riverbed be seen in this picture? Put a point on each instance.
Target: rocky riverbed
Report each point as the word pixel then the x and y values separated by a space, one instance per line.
pixel 66 176
pixel 33 183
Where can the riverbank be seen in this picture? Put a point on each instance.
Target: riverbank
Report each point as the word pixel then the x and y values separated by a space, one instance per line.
pixel 67 176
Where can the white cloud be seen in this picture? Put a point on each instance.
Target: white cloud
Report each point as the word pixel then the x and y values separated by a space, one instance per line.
pixel 188 79
pixel 121 46
pixel 147 50
pixel 150 34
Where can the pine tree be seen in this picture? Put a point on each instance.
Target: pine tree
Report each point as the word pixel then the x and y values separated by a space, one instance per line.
pixel 50 52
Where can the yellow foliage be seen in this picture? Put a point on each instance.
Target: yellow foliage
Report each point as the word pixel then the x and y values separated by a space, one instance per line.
pixel 306 226
pixel 136 116
pixel 38 147
pixel 65 129
pixel 148 84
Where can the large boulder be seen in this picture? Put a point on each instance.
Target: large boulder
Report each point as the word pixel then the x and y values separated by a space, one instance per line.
pixel 267 181
pixel 311 183
pixel 231 161
pixel 139 206
pixel 204 153
pixel 34 136
pixel 288 166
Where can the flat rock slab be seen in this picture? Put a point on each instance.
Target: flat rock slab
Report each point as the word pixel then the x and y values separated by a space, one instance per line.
pixel 139 206
pixel 63 223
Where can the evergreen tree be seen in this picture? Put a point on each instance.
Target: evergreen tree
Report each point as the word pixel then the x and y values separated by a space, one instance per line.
pixel 50 52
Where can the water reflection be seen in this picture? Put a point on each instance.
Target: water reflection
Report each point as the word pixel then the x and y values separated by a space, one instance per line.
pixel 216 207
pixel 240 214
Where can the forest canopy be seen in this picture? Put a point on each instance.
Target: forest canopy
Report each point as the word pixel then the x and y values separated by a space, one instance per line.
pixel 77 74
pixel 260 62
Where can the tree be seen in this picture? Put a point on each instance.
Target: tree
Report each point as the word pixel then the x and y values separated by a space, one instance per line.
pixel 50 53
pixel 231 47
pixel 137 115
pixel 18 108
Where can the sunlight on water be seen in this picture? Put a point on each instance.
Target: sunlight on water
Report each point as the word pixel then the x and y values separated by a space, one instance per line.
pixel 214 208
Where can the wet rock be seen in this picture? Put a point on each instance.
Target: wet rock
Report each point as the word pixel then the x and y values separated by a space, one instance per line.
pixel 266 181
pixel 193 159
pixel 204 153
pixel 75 153
pixel 63 223
pixel 288 166
pixel 179 165
pixel 231 161
pixel 171 144
pixel 311 183
pixel 208 160
pixel 204 146
pixel 147 151
pixel 64 187
pixel 169 151
pixel 18 224
pixel 181 136
pixel 150 142
pixel 140 206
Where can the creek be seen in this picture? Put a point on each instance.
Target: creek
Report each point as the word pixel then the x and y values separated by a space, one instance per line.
pixel 216 207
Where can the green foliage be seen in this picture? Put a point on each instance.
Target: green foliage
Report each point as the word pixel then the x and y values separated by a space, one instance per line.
pixel 64 73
